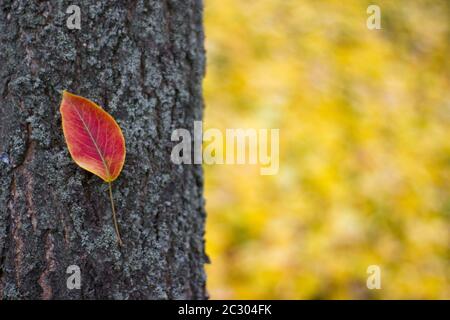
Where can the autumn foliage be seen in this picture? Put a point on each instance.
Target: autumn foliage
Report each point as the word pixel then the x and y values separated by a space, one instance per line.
pixel 94 140
pixel 93 137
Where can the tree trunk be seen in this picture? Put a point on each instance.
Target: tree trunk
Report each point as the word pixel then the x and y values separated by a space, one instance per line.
pixel 143 62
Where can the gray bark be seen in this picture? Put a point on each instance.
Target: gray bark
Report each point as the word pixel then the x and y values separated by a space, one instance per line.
pixel 143 61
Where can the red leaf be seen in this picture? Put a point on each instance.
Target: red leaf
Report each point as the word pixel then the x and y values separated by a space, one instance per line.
pixel 93 137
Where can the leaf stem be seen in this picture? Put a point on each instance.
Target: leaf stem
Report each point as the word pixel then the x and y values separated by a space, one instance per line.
pixel 116 225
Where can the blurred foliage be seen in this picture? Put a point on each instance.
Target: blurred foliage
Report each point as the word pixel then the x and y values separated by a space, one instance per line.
pixel 364 118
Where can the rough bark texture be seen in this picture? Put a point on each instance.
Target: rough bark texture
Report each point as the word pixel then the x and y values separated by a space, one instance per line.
pixel 143 61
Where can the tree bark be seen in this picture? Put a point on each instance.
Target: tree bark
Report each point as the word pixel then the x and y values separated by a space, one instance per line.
pixel 143 62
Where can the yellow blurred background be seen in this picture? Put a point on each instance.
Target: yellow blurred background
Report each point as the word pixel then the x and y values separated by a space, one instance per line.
pixel 364 119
